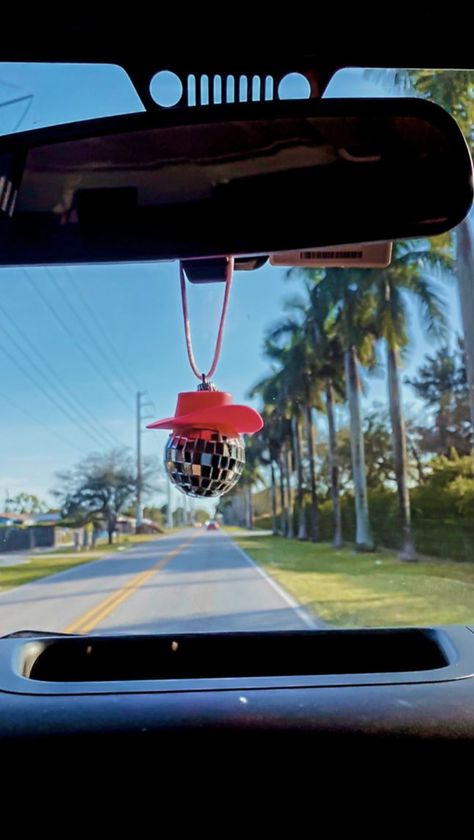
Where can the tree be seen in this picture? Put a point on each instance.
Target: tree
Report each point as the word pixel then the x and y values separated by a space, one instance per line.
pixel 448 490
pixel 379 459
pixel 27 503
pixel 299 377
pixel 99 488
pixel 361 307
pixel 269 455
pixel 273 390
pixel 442 383
pixel 454 90
pixel 251 475
pixel 409 275
pixel 330 354
pixel 155 514
pixel 179 516
pixel 350 321
pixel 201 515
pixel 314 365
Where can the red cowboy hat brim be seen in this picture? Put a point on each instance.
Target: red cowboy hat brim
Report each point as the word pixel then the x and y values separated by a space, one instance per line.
pixel 240 419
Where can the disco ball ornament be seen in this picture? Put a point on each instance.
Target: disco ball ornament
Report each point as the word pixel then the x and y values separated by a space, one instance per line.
pixel 207 465
pixel 205 455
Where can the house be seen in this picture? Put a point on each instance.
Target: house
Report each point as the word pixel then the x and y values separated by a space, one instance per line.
pixel 15 519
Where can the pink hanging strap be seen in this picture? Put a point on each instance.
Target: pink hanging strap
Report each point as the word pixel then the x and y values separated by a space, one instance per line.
pixel 204 377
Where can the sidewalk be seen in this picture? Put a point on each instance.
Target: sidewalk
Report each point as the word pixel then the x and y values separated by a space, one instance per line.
pixel 15 558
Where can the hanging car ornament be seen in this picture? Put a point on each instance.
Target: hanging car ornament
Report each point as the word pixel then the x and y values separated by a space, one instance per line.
pixel 205 454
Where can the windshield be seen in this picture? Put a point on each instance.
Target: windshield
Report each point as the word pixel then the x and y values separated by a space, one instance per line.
pixel 355 506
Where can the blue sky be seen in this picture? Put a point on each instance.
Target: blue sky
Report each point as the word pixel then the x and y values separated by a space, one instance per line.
pixel 137 307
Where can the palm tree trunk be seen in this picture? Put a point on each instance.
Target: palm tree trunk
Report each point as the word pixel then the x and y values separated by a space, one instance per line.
pixel 283 519
pixel 334 467
pixel 407 551
pixel 300 516
pixel 274 497
pixel 363 539
pixel 312 475
pixel 289 508
pixel 465 275
pixel 249 507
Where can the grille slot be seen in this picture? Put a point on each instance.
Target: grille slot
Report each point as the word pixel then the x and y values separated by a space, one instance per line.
pixel 216 89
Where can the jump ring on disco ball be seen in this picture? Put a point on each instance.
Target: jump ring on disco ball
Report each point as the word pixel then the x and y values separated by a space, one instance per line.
pixel 204 463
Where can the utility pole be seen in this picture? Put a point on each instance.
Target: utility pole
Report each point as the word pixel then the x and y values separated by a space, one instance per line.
pixel 169 512
pixel 139 514
pixel 140 417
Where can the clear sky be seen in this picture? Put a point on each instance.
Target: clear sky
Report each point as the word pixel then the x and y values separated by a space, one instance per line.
pixel 127 317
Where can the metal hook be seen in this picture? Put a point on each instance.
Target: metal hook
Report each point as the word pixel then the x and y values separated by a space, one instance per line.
pixel 205 384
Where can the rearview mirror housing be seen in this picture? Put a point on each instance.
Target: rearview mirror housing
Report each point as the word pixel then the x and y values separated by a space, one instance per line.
pixel 243 179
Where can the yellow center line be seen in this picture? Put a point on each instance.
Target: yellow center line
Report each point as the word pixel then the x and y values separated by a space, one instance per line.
pixel 94 616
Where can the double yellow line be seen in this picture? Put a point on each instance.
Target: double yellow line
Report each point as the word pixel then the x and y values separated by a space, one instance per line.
pixel 93 617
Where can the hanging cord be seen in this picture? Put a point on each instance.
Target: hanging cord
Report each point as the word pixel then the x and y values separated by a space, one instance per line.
pixel 204 377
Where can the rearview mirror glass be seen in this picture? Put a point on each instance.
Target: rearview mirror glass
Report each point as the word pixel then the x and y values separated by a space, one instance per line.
pixel 244 179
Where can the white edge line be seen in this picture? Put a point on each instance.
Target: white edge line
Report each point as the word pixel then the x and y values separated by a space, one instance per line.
pixel 300 611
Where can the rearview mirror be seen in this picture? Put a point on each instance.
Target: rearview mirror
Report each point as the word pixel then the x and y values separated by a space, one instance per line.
pixel 241 179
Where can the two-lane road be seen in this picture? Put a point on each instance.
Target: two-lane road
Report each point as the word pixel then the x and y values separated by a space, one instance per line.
pixel 193 580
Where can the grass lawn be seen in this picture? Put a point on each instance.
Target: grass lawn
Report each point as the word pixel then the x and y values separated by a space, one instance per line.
pixel 42 565
pixel 346 589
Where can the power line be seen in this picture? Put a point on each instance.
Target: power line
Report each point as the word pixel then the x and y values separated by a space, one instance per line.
pixel 114 358
pixel 52 399
pixel 51 377
pixel 35 419
pixel 78 344
pixel 89 333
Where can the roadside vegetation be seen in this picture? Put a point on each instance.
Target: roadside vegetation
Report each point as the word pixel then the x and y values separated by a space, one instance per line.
pixel 397 474
pixel 348 589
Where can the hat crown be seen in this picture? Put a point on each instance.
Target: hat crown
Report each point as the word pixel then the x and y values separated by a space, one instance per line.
pixel 189 401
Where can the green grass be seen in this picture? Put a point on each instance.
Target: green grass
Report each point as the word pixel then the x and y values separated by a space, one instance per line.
pixel 42 565
pixel 346 589
pixel 234 530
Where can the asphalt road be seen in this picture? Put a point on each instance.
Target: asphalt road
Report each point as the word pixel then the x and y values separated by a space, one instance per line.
pixel 193 580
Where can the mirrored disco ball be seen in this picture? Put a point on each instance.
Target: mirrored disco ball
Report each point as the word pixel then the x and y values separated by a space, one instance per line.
pixel 204 464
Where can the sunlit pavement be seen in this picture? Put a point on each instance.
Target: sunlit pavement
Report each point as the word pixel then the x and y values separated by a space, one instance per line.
pixel 192 580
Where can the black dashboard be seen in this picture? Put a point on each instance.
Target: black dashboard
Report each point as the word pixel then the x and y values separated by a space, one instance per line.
pixel 390 687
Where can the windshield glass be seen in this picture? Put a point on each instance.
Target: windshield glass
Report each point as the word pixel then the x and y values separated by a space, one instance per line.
pixel 355 506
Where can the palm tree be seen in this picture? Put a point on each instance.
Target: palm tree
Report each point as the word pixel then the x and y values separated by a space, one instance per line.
pixel 250 477
pixel 408 275
pixel 273 392
pixel 320 372
pixel 351 321
pixel 299 366
pixel 333 465
pixel 269 455
pixel 330 354
pixel 454 90
pixel 289 358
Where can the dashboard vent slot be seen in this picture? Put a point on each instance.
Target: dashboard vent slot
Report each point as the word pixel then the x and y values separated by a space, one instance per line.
pixel 227 655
